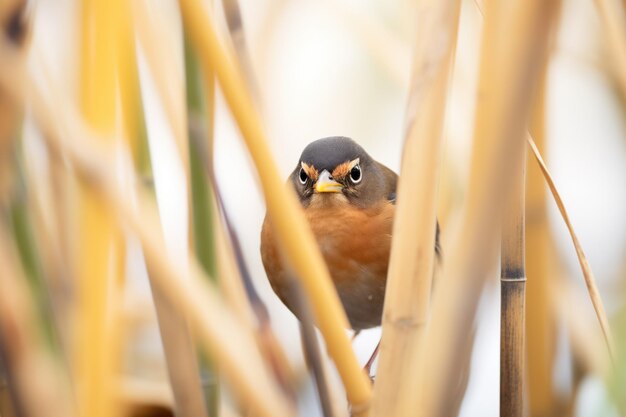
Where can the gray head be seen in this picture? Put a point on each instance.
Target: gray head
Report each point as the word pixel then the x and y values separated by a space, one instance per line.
pixel 338 169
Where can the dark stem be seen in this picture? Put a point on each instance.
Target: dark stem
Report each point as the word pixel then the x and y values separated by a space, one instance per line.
pixel 310 345
pixel 513 286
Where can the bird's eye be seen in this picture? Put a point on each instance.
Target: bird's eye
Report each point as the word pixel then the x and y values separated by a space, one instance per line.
pixel 355 174
pixel 303 177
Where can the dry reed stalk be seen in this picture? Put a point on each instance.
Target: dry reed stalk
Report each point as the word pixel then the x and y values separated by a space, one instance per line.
pixel 99 243
pixel 411 267
pixel 6 407
pixel 21 348
pixel 14 29
pixel 230 282
pixel 508 72
pixel 235 281
pixel 200 114
pixel 234 20
pixel 180 355
pixel 131 104
pixel 295 236
pixel 311 348
pixel 217 328
pixel 613 15
pixel 590 280
pixel 540 319
pixel 240 281
pixel 170 83
pixel 513 293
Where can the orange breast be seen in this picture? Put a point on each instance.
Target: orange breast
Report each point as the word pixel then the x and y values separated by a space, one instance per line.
pixel 355 244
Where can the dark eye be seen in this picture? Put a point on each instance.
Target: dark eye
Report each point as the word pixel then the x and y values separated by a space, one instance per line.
pixel 355 174
pixel 303 177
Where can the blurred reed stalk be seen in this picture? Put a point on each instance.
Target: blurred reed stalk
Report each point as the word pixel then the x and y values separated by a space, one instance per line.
pixel 613 16
pixel 180 355
pixel 287 218
pixel 195 393
pixel 200 126
pixel 311 346
pixel 159 50
pixel 512 293
pixel 508 74
pixel 99 244
pixel 540 318
pixel 234 20
pixel 22 350
pixel 407 300
pixel 15 31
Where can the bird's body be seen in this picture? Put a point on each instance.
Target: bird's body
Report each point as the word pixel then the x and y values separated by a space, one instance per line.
pixel 349 201
pixel 357 264
pixel 352 228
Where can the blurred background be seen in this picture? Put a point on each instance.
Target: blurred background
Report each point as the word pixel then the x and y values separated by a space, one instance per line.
pixel 329 68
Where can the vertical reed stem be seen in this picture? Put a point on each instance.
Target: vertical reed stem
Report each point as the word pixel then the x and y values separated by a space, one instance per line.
pixel 407 299
pixel 98 241
pixel 512 287
pixel 6 408
pixel 540 319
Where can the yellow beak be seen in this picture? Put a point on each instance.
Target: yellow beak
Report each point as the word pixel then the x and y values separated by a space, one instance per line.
pixel 325 184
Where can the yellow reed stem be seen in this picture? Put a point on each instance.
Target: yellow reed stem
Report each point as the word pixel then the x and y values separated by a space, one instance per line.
pixel 407 301
pixel 295 236
pixel 540 320
pixel 98 243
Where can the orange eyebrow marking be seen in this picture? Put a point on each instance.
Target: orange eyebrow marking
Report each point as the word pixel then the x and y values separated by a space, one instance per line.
pixel 342 170
pixel 310 171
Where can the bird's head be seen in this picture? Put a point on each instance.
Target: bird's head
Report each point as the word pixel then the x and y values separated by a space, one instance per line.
pixel 336 170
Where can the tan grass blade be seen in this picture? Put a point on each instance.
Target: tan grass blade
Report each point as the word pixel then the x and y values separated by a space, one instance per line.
pixel 590 280
pixel 287 218
pixel 508 72
pixel 407 300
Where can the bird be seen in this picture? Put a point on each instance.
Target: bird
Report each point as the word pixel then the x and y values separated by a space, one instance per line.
pixel 349 201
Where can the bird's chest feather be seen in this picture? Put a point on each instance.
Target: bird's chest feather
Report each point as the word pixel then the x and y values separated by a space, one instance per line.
pixel 355 244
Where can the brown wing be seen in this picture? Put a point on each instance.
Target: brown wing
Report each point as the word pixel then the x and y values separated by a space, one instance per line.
pixel 391 179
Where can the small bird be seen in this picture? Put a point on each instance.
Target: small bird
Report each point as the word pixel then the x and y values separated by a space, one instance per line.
pixel 349 202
